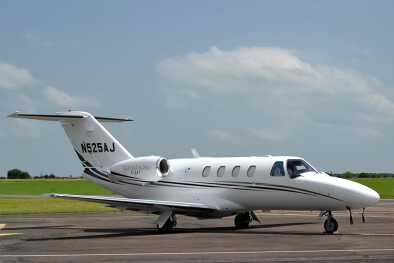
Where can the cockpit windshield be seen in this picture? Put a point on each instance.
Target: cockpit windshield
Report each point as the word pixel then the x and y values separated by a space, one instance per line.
pixel 295 167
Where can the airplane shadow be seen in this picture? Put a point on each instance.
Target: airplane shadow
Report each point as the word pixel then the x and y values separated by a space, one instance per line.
pixel 125 232
pixel 38 227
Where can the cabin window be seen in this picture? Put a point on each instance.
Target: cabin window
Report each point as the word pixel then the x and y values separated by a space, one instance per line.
pixel 221 171
pixel 251 170
pixel 235 171
pixel 277 169
pixel 206 171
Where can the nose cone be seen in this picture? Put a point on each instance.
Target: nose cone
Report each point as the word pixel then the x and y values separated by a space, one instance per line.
pixel 362 196
pixel 342 193
pixel 370 196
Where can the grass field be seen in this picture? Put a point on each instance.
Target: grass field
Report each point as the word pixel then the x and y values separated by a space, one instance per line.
pixel 45 186
pixel 384 186
pixel 40 205
pixel 24 196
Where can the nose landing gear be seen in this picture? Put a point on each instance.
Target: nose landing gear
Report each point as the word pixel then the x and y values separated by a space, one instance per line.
pixel 350 215
pixel 330 224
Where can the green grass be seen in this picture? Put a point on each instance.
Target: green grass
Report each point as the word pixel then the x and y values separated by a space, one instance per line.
pixel 40 205
pixel 24 196
pixel 384 186
pixel 45 186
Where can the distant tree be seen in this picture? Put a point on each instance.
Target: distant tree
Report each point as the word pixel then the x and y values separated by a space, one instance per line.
pixel 363 175
pixel 18 174
pixel 348 174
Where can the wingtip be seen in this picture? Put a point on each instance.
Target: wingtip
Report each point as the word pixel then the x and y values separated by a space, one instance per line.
pixel 50 195
pixel 13 115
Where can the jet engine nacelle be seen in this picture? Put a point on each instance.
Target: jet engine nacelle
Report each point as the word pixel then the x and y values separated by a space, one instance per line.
pixel 141 170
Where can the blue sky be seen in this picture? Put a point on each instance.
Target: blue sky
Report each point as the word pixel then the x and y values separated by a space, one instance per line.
pixel 230 78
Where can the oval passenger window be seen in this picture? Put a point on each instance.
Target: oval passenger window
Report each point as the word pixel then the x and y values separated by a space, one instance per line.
pixel 206 171
pixel 251 170
pixel 221 171
pixel 235 171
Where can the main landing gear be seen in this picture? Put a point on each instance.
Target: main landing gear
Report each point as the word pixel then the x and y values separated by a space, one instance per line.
pixel 242 220
pixel 330 224
pixel 166 222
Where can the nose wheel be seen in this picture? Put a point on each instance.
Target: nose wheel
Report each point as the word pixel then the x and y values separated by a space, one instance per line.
pixel 330 224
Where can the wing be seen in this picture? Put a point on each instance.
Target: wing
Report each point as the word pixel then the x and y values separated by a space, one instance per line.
pixel 143 204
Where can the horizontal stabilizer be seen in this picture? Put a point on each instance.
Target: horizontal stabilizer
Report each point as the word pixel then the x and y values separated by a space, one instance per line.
pixel 64 116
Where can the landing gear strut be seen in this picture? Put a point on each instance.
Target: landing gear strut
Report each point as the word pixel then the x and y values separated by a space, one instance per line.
pixel 330 225
pixel 169 225
pixel 242 220
pixel 166 222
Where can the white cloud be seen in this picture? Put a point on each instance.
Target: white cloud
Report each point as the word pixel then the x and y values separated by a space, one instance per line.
pixel 274 73
pixel 368 132
pixel 267 135
pixel 62 99
pixel 180 99
pixel 222 135
pixel 261 135
pixel 13 77
pixel 23 128
pixel 25 103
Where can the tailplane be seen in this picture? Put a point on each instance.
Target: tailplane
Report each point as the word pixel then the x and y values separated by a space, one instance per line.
pixel 94 145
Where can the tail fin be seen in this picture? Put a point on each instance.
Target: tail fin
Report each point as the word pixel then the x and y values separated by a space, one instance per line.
pixel 92 142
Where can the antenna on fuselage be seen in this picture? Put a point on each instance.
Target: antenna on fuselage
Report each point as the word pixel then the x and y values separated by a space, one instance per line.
pixel 195 153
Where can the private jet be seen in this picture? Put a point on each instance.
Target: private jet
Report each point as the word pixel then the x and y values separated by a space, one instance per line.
pixel 202 187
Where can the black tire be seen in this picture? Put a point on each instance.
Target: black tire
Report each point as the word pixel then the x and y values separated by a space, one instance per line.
pixel 242 220
pixel 330 225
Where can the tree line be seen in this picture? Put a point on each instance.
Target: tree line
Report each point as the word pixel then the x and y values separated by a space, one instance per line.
pixel 19 174
pixel 349 174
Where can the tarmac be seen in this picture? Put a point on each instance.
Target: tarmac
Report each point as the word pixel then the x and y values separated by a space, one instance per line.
pixel 283 236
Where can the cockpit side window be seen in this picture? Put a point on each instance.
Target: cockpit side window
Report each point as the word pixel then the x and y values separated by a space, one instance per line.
pixel 296 167
pixel 277 169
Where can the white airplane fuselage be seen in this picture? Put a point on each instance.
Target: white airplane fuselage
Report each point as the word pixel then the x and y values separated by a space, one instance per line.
pixel 230 193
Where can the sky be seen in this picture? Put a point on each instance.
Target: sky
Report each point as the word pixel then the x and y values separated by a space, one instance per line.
pixel 229 78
